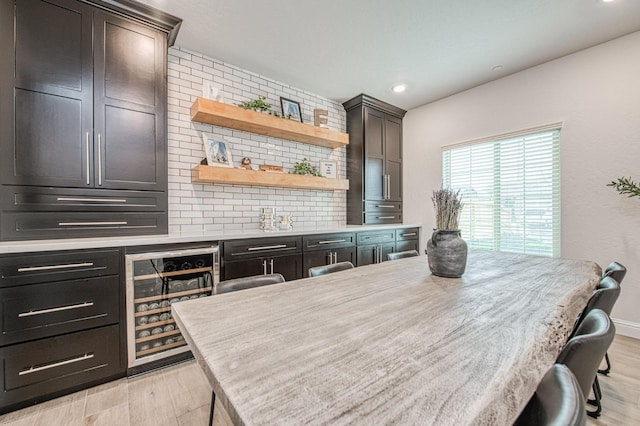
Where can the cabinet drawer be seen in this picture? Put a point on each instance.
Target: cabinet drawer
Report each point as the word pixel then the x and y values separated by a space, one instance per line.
pixel 32 370
pixel 377 237
pixel 24 269
pixel 382 206
pixel 259 247
pixel 26 198
pixel 43 310
pixel 328 241
pixel 29 226
pixel 407 234
pixel 382 218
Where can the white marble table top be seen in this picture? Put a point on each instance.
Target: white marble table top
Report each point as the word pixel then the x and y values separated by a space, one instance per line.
pixel 389 343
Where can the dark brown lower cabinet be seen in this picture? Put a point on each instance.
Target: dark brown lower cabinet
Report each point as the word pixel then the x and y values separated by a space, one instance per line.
pixel 328 257
pixel 377 253
pixel 290 266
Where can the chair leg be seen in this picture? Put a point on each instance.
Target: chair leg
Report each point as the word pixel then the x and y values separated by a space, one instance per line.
pixel 607 370
pixel 597 394
pixel 213 403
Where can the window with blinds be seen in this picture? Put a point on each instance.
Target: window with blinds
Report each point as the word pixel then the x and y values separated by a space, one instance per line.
pixel 510 188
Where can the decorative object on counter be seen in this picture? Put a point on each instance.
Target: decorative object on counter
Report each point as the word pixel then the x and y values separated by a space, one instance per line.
pixel 271 168
pixel 217 151
pixel 625 186
pixel 304 168
pixel 286 222
pixel 246 163
pixel 291 109
pixel 210 91
pixel 268 219
pixel 256 105
pixel 446 250
pixel 329 169
pixel 321 118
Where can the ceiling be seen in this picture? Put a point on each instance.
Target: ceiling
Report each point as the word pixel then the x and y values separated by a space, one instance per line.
pixel 341 48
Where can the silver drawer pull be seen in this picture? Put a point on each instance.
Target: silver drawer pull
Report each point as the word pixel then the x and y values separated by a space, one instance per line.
pixel 93 200
pixel 331 241
pixel 368 237
pixel 55 364
pixel 61 308
pixel 267 247
pixel 90 223
pixel 50 267
pixel 386 207
pixel 386 217
pixel 411 234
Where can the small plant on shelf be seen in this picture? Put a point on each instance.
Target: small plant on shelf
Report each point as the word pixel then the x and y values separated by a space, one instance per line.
pixel 625 186
pixel 259 104
pixel 304 168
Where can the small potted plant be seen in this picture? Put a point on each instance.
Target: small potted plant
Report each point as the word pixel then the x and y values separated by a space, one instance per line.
pixel 446 250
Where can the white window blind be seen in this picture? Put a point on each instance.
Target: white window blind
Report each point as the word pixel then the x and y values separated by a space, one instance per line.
pixel 511 191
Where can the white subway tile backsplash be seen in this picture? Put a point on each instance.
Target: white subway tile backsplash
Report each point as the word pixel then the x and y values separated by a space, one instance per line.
pixel 195 207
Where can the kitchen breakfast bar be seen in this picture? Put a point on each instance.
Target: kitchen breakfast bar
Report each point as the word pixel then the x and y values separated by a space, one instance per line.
pixel 389 343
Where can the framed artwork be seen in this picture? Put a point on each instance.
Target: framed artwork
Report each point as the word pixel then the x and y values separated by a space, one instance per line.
pixel 217 151
pixel 291 109
pixel 329 169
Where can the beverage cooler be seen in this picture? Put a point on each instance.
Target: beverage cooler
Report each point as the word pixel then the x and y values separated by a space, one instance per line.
pixel 154 282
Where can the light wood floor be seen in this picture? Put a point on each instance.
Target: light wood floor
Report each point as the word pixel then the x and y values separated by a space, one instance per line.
pixel 180 395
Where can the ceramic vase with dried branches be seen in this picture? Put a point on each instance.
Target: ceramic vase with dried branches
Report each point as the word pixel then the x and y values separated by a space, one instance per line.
pixel 446 250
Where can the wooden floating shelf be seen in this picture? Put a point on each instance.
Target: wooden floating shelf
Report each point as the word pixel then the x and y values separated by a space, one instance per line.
pixel 225 115
pixel 212 174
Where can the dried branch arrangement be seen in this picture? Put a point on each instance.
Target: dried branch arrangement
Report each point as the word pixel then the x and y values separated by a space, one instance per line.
pixel 447 204
pixel 625 186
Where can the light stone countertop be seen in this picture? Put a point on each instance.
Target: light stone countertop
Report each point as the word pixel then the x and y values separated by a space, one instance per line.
pixel 142 240
pixel 389 343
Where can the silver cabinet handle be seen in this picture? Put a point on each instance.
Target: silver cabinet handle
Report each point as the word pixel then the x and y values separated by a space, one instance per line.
pixel 90 223
pixel 335 257
pixel 368 237
pixel 330 256
pixel 93 200
pixel 55 364
pixel 264 267
pixel 99 160
pixel 267 247
pixel 383 206
pixel 386 217
pixel 384 187
pixel 61 308
pixel 411 234
pixel 271 264
pixel 51 267
pixel 87 159
pixel 331 241
pixel 388 187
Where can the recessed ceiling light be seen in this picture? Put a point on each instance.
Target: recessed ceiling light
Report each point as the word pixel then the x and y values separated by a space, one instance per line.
pixel 607 1
pixel 399 88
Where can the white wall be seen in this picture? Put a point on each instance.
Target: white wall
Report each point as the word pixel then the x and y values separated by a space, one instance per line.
pixel 596 94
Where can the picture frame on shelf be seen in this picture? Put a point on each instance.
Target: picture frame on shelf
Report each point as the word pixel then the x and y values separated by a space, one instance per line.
pixel 217 151
pixel 291 109
pixel 329 169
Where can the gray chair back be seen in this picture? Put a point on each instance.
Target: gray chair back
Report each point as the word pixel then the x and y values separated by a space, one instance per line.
pixel 328 269
pixel 558 401
pixel 584 351
pixel 402 254
pixel 603 297
pixel 247 282
pixel 615 270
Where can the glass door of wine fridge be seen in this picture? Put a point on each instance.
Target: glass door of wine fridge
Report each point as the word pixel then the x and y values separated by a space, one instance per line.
pixel 154 282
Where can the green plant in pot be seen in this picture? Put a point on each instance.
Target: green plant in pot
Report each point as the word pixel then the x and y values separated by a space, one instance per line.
pixel 446 250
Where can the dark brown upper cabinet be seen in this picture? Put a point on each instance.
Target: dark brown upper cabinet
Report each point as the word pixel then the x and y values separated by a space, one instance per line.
pixel 374 161
pixel 83 109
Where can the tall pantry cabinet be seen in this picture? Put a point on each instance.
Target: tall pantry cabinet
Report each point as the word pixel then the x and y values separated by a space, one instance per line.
pixel 83 118
pixel 374 161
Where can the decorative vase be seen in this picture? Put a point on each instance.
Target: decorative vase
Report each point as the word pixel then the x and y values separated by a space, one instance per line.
pixel 447 254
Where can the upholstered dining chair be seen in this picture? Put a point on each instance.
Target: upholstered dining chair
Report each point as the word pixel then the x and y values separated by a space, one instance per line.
pixel 328 269
pixel 247 282
pixel 615 270
pixel 558 400
pixel 584 351
pixel 402 254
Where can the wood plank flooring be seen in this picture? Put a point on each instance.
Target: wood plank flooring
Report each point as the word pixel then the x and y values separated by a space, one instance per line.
pixel 180 395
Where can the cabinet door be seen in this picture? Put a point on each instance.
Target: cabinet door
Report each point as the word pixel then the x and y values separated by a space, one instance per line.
pixel 367 255
pixel 393 157
pixel 374 154
pixel 243 268
pixel 290 266
pixel 385 249
pixel 315 258
pixel 129 104
pixel 52 95
pixel 408 245
pixel 347 254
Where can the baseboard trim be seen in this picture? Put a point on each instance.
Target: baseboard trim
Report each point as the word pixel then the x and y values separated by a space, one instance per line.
pixel 627 328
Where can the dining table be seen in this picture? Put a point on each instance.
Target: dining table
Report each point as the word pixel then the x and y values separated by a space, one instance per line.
pixel 390 343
